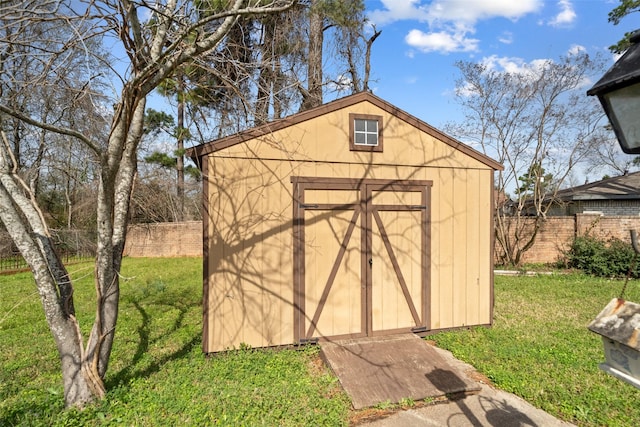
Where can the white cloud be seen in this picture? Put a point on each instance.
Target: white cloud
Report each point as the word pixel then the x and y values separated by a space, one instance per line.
pixel 529 70
pixel 449 22
pixel 342 83
pixel 503 63
pixel 471 11
pixel 398 10
pixel 514 65
pixel 461 11
pixel 576 49
pixel 441 41
pixel 466 90
pixel 506 37
pixel 566 16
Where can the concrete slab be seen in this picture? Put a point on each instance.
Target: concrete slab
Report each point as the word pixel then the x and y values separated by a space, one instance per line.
pixel 489 408
pixel 392 368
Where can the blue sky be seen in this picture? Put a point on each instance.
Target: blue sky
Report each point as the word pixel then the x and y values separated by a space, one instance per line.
pixel 413 59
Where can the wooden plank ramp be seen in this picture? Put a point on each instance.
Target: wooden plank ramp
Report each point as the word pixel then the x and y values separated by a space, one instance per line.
pixel 391 368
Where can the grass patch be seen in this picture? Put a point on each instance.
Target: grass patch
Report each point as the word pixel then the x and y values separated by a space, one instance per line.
pixel 540 349
pixel 158 374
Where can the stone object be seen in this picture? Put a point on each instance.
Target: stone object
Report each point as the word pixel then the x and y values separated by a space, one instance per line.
pixel 619 325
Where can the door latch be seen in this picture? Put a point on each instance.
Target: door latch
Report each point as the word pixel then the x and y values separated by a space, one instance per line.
pixel 370 262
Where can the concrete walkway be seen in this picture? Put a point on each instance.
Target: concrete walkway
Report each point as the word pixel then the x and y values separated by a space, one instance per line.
pixel 490 407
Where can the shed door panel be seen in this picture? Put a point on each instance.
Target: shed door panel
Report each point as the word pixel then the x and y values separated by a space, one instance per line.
pixel 396 285
pixel 360 257
pixel 332 294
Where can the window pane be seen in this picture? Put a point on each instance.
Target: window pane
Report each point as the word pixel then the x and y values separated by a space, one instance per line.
pixel 365 133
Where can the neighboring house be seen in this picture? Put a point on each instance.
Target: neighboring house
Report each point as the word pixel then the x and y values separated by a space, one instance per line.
pixel 618 196
pixel 351 219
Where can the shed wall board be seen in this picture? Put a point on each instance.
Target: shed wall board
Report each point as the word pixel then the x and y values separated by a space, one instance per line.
pixel 251 296
pixel 323 140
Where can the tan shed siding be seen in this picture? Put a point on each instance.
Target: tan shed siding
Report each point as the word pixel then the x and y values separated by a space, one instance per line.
pixel 444 247
pixel 250 243
pixel 251 292
pixel 485 247
pixel 470 247
pixel 326 140
pixel 478 245
pixel 276 249
pixel 460 244
pixel 461 216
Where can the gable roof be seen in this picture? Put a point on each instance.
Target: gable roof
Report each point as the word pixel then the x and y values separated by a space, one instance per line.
pixel 625 187
pixel 198 151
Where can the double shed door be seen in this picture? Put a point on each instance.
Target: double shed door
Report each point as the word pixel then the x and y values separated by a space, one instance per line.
pixel 361 256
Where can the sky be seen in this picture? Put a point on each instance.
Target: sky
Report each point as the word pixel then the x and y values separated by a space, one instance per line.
pixel 413 59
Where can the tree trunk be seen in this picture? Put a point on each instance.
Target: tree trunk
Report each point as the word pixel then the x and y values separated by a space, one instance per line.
pixel 180 149
pixel 367 59
pixel 152 60
pixel 119 167
pixel 313 96
pixel 29 232
pixel 82 370
pixel 266 74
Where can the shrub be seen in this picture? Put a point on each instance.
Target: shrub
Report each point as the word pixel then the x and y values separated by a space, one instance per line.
pixel 612 258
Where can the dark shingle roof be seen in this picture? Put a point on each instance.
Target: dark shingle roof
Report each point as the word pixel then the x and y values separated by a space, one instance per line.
pixel 625 187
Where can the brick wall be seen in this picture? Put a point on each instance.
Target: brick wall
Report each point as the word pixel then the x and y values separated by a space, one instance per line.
pixel 606 227
pixel 169 239
pixel 557 234
pixel 554 237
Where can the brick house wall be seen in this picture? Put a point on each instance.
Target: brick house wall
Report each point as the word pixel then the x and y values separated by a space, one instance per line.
pixel 609 207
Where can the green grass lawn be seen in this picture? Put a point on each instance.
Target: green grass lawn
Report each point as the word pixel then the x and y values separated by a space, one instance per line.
pixel 158 374
pixel 538 348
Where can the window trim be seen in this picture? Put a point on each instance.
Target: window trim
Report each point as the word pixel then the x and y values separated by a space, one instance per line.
pixel 358 147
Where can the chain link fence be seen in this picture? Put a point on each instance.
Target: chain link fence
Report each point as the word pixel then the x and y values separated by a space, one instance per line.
pixel 72 245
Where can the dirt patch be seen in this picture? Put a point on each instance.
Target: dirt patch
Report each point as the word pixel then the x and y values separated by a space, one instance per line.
pixel 367 415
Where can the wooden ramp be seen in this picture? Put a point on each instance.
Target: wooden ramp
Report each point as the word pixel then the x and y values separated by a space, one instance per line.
pixel 392 368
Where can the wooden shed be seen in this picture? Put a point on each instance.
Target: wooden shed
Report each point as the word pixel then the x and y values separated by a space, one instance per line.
pixel 352 219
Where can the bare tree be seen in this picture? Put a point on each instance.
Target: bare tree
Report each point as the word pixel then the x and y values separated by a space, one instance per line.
pixel 605 158
pixel 154 40
pixel 346 17
pixel 353 45
pixel 539 125
pixel 272 65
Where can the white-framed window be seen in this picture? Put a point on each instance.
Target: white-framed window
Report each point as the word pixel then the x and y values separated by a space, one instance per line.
pixel 365 132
